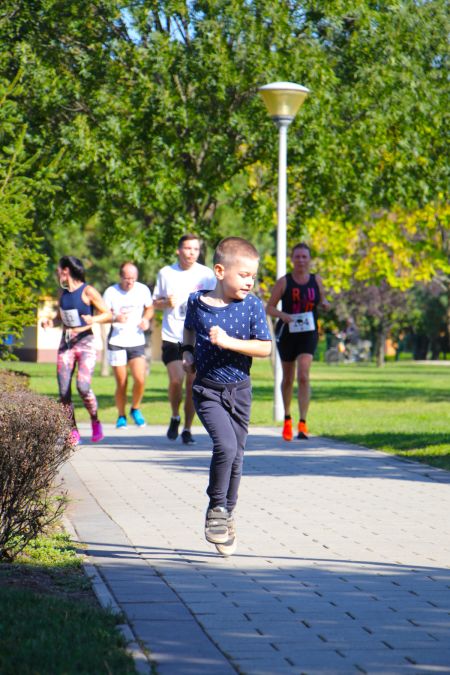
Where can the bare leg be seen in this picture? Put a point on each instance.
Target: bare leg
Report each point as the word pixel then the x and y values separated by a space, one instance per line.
pixel 287 384
pixel 138 370
pixel 304 390
pixel 121 375
pixel 176 377
pixel 189 410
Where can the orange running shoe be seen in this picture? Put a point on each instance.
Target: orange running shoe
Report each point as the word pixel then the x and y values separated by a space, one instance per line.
pixel 302 430
pixel 288 434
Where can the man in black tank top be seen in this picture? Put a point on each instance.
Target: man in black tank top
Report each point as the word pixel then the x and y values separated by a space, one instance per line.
pixel 301 294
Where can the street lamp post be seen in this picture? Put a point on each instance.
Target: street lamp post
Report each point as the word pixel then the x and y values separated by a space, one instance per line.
pixel 282 100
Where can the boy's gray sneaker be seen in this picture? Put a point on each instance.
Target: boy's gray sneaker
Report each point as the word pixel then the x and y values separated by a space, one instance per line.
pixel 216 528
pixel 229 547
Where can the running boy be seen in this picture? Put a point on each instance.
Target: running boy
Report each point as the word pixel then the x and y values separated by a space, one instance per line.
pixel 223 330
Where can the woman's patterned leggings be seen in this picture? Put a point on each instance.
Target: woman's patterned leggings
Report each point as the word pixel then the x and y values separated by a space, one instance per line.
pixel 84 354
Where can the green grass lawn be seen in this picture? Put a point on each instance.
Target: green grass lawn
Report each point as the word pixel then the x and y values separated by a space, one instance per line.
pixel 403 408
pixel 50 620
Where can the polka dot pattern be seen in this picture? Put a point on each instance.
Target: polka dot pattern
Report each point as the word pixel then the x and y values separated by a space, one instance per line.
pixel 241 319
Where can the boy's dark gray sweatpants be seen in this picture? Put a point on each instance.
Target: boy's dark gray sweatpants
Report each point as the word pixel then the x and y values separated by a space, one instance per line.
pixel 224 410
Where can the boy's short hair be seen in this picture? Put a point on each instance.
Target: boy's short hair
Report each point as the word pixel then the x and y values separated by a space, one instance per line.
pixel 231 247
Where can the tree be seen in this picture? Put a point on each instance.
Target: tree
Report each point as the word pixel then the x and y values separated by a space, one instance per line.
pixel 155 106
pixel 22 266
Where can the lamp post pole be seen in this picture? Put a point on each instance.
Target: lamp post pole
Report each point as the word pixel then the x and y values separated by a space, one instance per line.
pixel 282 100
pixel 283 125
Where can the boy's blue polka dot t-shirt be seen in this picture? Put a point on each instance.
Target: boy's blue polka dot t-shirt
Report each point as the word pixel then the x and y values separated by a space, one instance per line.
pixel 242 319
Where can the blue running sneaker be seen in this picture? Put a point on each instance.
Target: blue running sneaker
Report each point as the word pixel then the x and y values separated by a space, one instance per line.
pixel 121 422
pixel 137 416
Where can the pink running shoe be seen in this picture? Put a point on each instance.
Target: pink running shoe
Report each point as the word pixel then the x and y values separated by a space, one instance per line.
pixel 75 437
pixel 97 431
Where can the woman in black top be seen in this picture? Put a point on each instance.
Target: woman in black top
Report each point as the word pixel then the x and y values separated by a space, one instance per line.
pixel 80 306
pixel 301 294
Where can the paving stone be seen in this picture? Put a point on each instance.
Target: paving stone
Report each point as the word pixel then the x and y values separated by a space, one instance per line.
pixel 342 565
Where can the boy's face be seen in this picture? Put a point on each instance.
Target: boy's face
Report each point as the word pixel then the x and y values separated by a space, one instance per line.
pixel 237 277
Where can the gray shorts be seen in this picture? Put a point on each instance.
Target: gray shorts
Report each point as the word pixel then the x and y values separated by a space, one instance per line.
pixel 119 356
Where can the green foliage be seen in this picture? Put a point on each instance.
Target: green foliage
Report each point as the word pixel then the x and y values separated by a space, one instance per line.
pixel 22 266
pixel 152 117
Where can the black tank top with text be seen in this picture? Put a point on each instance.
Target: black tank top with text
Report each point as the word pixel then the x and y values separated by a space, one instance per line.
pixel 298 298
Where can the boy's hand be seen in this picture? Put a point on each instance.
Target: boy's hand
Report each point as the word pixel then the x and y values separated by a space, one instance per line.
pixel 188 362
pixel 218 337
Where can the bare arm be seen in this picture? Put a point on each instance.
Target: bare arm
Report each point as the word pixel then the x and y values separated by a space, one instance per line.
pixel 164 302
pixel 324 304
pixel 277 293
pixel 248 347
pixel 104 314
pixel 146 317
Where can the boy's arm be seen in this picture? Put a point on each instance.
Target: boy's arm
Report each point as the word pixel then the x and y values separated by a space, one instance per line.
pixel 248 347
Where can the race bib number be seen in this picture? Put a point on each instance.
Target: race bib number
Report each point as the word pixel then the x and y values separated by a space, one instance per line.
pixel 117 357
pixel 180 311
pixel 70 318
pixel 302 323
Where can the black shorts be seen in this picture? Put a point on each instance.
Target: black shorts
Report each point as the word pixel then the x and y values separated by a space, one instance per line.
pixel 291 345
pixel 170 352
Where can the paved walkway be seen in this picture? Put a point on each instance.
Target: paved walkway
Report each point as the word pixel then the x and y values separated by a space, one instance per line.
pixel 342 564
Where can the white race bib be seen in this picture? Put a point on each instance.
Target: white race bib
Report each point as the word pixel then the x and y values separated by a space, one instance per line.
pixel 70 318
pixel 302 323
pixel 180 311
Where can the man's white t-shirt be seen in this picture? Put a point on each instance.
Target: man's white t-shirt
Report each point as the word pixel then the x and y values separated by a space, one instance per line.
pixel 173 280
pixel 132 303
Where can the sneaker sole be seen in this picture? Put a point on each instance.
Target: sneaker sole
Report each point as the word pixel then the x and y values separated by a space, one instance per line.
pixel 301 436
pixel 217 538
pixel 228 548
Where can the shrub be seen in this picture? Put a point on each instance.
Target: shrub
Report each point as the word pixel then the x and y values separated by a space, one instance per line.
pixel 34 442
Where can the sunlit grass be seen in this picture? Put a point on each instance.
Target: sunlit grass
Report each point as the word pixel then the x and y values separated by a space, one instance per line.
pixel 401 408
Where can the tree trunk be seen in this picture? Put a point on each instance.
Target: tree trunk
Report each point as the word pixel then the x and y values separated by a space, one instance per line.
pixel 381 346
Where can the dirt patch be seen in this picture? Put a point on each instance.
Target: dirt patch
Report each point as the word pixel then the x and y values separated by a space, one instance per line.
pixel 71 586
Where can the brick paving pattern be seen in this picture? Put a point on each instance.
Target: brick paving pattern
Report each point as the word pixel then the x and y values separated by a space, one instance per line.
pixel 342 563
